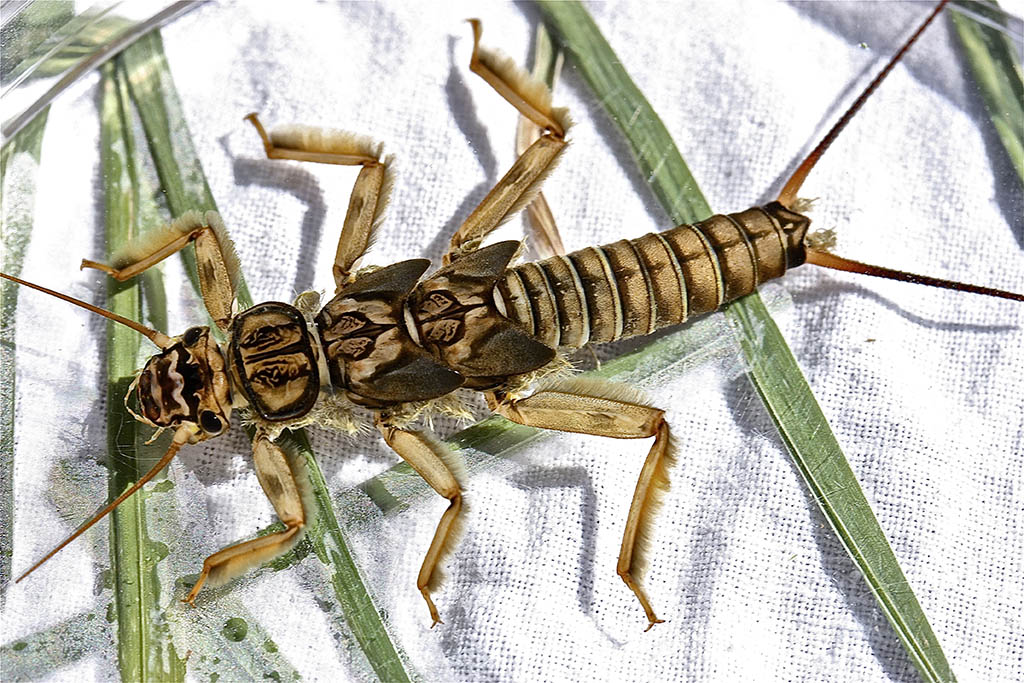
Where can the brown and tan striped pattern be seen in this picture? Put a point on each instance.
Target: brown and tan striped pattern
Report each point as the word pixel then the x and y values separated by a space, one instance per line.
pixel 187 382
pixel 368 349
pixel 273 361
pixel 168 387
pixel 634 287
pixel 460 325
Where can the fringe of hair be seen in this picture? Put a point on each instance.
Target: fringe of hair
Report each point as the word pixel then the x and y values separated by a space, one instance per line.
pixel 651 504
pixel 325 140
pixel 535 91
pixel 154 240
pixel 595 388
pixel 531 192
pixel 455 533
pixel 383 198
pixel 227 247
pixel 332 410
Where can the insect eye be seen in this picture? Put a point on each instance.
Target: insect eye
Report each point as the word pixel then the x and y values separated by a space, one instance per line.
pixel 192 336
pixel 210 423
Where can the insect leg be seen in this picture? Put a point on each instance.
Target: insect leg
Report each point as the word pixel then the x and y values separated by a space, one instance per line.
pixel 215 255
pixel 284 487
pixel 522 182
pixel 606 409
pixel 548 241
pixel 432 461
pixel 369 195
pixel 529 95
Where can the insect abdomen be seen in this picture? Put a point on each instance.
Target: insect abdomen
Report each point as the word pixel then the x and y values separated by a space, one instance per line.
pixel 628 288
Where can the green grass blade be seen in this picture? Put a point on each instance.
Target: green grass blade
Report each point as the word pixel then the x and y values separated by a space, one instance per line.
pixel 144 650
pixel 51 43
pixel 177 164
pixel 349 587
pixel 182 179
pixel 995 64
pixel 51 39
pixel 773 370
pixel 26 33
pixel 19 162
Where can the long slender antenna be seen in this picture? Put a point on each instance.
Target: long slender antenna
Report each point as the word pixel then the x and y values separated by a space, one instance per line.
pixel 181 437
pixel 788 194
pixel 158 338
pixel 827 260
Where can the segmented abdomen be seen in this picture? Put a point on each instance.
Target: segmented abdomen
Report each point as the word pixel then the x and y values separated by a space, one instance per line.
pixel 632 287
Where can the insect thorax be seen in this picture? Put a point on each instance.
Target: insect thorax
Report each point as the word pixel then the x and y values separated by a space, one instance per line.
pixel 386 339
pixel 389 339
pixel 367 347
pixel 273 361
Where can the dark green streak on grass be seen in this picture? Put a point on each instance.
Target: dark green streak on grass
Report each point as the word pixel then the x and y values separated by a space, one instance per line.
pixel 995 64
pixel 144 648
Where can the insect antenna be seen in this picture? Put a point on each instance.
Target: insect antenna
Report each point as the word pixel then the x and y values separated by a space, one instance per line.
pixel 158 338
pixel 181 437
pixel 827 260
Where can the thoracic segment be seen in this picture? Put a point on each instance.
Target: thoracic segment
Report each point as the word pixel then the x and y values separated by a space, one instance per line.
pixel 634 287
pixel 273 361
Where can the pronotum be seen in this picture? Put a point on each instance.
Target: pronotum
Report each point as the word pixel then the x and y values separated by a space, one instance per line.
pixel 614 232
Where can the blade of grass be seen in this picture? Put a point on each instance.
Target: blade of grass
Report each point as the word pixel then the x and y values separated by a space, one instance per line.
pixel 996 67
pixel 91 59
pixel 773 370
pixel 183 180
pixel 70 38
pixel 25 33
pixel 19 162
pixel 144 651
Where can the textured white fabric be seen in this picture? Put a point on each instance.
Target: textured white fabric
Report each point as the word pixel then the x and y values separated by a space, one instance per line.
pixel 924 389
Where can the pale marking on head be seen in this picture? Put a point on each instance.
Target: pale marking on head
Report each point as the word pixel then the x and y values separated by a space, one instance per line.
pixel 156 391
pixel 179 385
pixel 141 418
